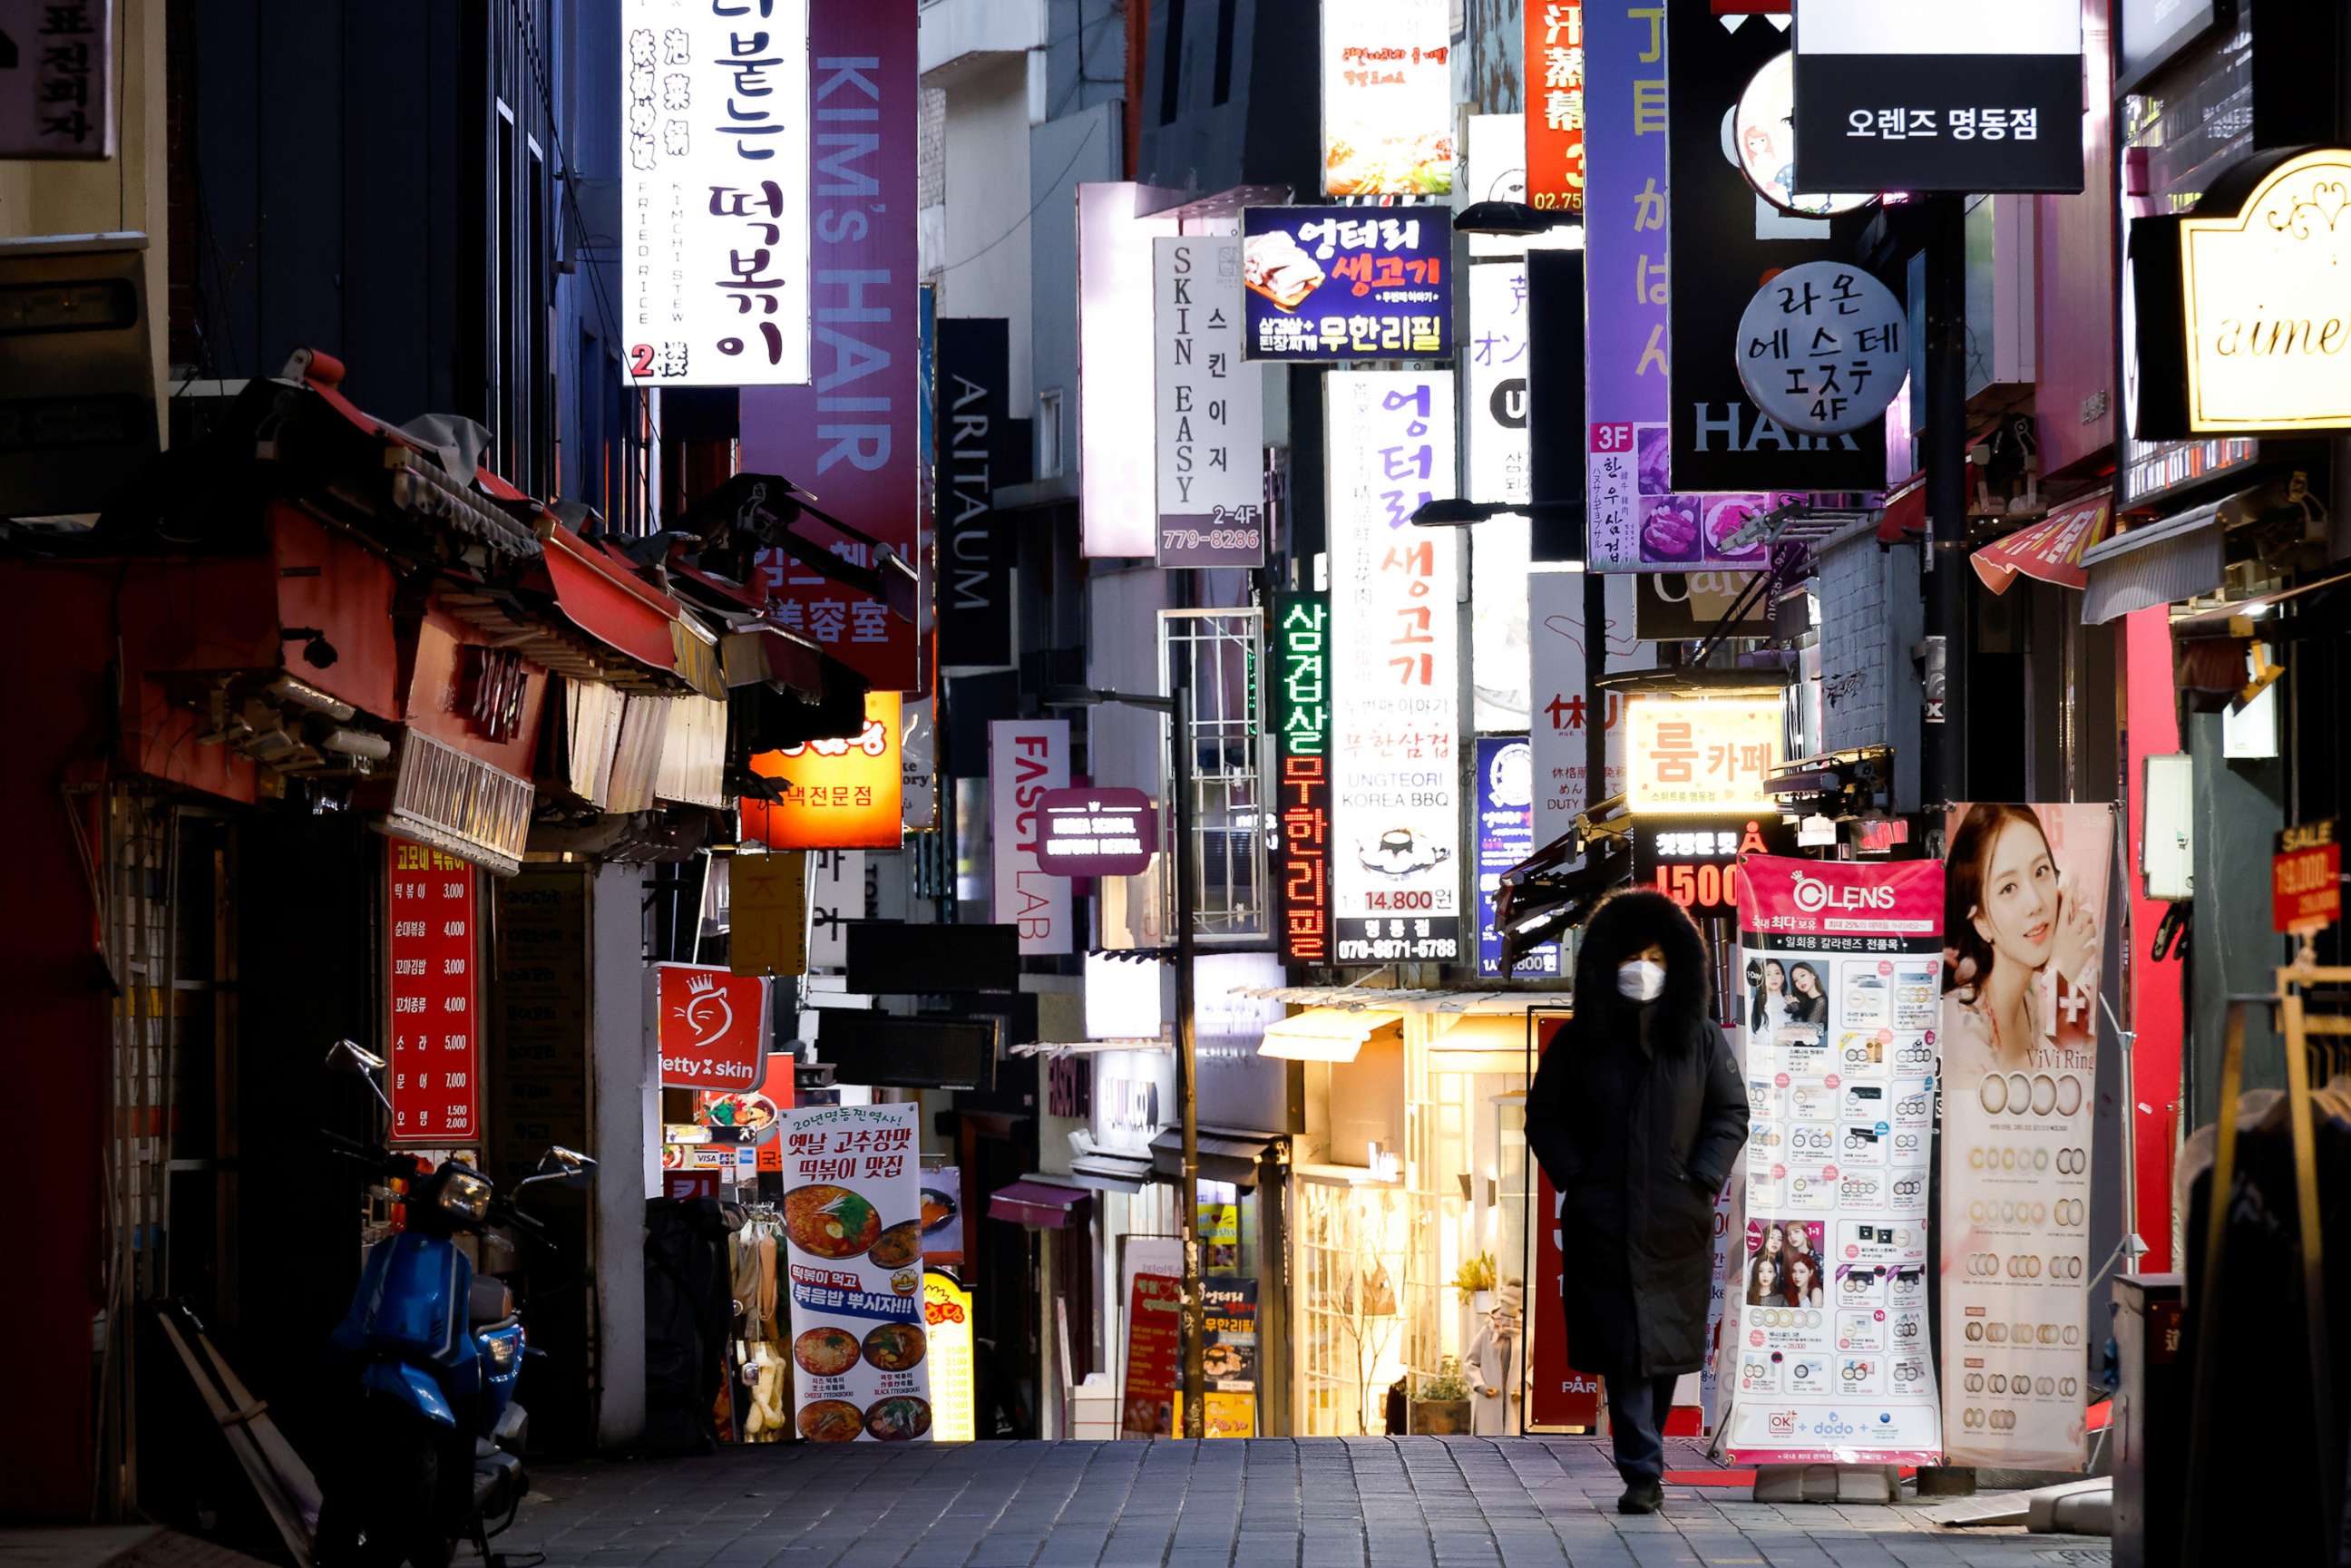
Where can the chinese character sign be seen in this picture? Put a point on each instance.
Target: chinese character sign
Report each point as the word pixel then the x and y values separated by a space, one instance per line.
pixel 1388 98
pixel 1494 382
pixel 1823 347
pixel 1347 283
pixel 1396 647
pixel 434 1064
pixel 1694 755
pixel 853 1256
pixel 840 793
pixel 1027 759
pixel 1210 428
pixel 1554 62
pixel 715 192
pixel 1563 703
pixel 1301 750
pixel 710 1027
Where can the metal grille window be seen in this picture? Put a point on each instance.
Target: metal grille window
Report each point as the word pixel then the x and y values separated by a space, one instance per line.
pixel 1221 653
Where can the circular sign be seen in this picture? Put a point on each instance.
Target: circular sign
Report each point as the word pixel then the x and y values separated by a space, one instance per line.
pixel 1763 133
pixel 1823 348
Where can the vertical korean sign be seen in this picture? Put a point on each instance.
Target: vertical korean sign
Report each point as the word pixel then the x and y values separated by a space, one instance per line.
pixel 850 436
pixel 435 1086
pixel 1026 758
pixel 1396 644
pixel 62 103
pixel 1494 382
pixel 2024 923
pixel 1210 428
pixel 714 194
pixel 1554 61
pixel 853 1241
pixel 1830 1344
pixel 1301 752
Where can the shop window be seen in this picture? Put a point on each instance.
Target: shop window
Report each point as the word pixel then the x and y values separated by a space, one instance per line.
pixel 1353 1243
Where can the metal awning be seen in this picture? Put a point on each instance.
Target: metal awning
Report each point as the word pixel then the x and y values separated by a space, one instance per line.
pixel 1227 1154
pixel 1039 1204
pixel 598 594
pixel 1404 1001
pixel 1325 1034
pixel 1093 1047
pixel 2159 563
pixel 1113 1173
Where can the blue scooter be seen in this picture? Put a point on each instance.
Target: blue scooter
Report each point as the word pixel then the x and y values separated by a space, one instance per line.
pixel 433 1450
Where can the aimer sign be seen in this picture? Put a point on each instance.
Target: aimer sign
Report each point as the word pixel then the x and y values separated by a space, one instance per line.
pixel 1097 832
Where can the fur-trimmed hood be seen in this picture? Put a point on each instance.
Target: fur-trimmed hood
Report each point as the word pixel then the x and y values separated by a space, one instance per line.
pixel 1621 925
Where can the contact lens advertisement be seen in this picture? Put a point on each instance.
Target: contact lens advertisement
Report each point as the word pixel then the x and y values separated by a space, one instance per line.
pixel 1829 1361
pixel 2024 923
pixel 853 1244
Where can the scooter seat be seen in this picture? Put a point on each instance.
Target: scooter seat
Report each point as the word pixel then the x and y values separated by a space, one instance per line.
pixel 488 1302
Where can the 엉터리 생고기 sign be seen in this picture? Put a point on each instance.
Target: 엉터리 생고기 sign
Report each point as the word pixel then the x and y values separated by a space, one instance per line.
pixel 1347 283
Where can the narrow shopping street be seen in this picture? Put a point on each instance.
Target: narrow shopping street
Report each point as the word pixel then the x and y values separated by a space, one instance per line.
pixel 1268 1502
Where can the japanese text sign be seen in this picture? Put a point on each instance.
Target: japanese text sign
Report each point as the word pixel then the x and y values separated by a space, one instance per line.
pixel 1210 428
pixel 1555 97
pixel 1823 347
pixel 710 1027
pixel 1301 752
pixel 1098 833
pixel 1388 98
pixel 60 97
pixel 2306 879
pixel 1563 703
pixel 1692 755
pixel 715 192
pixel 1394 652
pixel 1347 283
pixel 834 794
pixel 1026 760
pixel 434 1078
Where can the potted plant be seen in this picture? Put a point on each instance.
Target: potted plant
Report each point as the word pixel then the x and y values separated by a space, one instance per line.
pixel 1441 1404
pixel 1474 1283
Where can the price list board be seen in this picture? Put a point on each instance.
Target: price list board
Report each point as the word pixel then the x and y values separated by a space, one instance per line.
pixel 432 995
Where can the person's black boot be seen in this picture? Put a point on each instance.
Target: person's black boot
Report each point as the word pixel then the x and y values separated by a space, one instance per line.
pixel 1642 1496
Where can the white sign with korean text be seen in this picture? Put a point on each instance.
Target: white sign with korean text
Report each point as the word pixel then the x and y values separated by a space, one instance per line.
pixel 1561 702
pixel 1026 758
pixel 1388 98
pixel 714 193
pixel 1210 425
pixel 1396 647
pixel 57 89
pixel 836 897
pixel 1823 347
pixel 1494 423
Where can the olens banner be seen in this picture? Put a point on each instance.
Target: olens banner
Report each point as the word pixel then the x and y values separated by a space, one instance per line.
pixel 1842 968
pixel 853 1242
pixel 2024 932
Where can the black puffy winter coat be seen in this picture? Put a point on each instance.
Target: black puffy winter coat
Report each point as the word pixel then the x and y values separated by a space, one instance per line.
pixel 1637 1121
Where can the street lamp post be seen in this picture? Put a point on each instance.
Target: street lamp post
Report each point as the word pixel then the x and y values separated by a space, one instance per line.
pixel 1178 707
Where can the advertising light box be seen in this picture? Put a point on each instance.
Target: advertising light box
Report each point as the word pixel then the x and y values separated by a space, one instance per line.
pixel 1388 98
pixel 834 794
pixel 1690 755
pixel 1347 283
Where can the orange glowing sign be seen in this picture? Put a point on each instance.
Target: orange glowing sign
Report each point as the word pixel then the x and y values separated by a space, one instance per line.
pixel 833 794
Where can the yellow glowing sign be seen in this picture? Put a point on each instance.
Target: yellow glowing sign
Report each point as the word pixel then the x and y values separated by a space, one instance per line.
pixel 1691 755
pixel 947 1316
pixel 2267 309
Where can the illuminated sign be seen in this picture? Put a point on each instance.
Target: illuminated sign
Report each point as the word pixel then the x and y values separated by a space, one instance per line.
pixel 1388 98
pixel 1505 836
pixel 1302 775
pixel 1117 481
pixel 1694 860
pixel 1098 833
pixel 1764 129
pixel 1347 283
pixel 1823 348
pixel 2267 320
pixel 1395 719
pixel 1027 759
pixel 714 196
pixel 947 1318
pixel 1210 428
pixel 1691 754
pixel 710 1027
pixel 837 794
pixel 434 1082
pixel 1555 97
pixel 1500 460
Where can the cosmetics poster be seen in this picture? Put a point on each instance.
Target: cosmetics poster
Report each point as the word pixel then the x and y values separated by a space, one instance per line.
pixel 1841 967
pixel 2024 942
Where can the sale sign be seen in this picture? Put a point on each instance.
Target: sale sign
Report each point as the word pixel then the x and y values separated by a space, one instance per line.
pixel 711 1027
pixel 435 1086
pixel 2306 879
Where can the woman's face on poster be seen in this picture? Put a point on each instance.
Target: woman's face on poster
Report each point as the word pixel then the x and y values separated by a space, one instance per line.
pixel 1801 1272
pixel 2018 913
pixel 1775 978
pixel 1807 983
pixel 1773 1241
pixel 1767 1275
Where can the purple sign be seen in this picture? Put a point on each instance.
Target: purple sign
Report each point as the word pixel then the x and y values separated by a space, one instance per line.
pixel 1637 521
pixel 1347 283
pixel 1506 835
pixel 1096 833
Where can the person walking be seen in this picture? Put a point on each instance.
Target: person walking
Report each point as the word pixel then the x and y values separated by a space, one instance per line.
pixel 1637 1115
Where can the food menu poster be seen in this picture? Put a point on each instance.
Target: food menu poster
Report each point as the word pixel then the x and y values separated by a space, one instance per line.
pixel 1155 1348
pixel 1388 98
pixel 435 1072
pixel 947 1318
pixel 1841 965
pixel 854 1247
pixel 2024 934
pixel 1346 283
pixel 1228 1358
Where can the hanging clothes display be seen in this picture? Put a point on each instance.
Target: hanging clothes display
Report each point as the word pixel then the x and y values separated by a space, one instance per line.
pixel 758 1377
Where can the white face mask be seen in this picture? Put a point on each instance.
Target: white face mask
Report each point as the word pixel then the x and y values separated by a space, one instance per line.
pixel 1641 980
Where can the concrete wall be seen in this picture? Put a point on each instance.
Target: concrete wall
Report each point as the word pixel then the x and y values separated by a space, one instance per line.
pixel 1062 154
pixel 1870 617
pixel 985 241
pixel 625 1104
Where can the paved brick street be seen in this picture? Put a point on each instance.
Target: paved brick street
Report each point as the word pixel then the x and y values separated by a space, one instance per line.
pixel 1418 1502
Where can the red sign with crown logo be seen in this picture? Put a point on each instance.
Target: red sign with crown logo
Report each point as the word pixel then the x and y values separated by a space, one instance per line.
pixel 711 1027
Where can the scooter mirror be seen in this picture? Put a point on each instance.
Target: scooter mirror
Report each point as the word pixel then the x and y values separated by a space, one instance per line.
pixel 350 1056
pixel 569 1166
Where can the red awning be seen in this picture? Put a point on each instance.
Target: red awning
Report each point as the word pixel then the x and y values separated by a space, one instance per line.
pixel 598 594
pixel 1906 513
pixel 1037 1204
pixel 2050 550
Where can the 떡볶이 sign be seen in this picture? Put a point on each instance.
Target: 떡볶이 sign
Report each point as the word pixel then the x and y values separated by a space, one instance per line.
pixel 1700 755
pixel 1210 430
pixel 1097 832
pixel 1821 348
pixel 853 1251
pixel 1828 1349
pixel 1555 97
pixel 835 794
pixel 715 195
pixel 1347 283
pixel 2306 879
pixel 710 1027
pixel 434 1083
pixel 1301 751
pixel 1027 759
pixel 1388 98
pixel 1396 711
